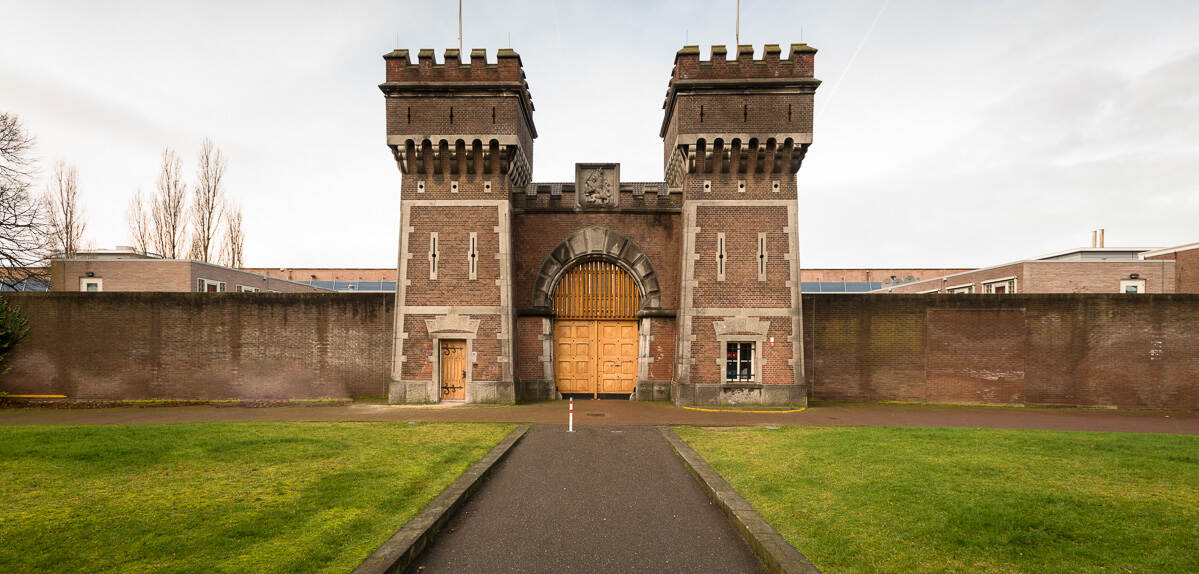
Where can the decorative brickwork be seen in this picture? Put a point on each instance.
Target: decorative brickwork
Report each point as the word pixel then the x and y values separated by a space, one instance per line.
pixel 735 135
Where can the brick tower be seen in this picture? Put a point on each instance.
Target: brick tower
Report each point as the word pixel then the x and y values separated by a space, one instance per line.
pixel 735 133
pixel 462 135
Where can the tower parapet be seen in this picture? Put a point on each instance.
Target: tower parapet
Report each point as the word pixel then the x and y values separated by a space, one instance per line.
pixel 451 118
pixel 739 115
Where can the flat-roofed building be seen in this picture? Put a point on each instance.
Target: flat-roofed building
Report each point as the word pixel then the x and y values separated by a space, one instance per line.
pixel 1082 270
pixel 124 269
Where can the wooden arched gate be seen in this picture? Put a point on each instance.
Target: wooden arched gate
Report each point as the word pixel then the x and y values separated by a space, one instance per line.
pixel 595 330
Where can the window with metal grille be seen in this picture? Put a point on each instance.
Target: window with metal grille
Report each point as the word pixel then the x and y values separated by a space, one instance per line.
pixel 739 361
pixel 596 290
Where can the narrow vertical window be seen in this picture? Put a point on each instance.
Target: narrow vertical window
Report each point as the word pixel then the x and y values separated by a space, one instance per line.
pixel 701 114
pixel 473 258
pixel 451 114
pixel 788 113
pixel 745 112
pixel 409 114
pixel 433 256
pixel 761 257
pixel 493 114
pixel 720 257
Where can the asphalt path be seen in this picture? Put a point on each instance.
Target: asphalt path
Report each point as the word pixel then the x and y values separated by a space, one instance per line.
pixel 600 499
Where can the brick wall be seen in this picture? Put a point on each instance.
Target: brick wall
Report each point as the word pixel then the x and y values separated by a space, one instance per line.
pixel 1186 271
pixel 202 345
pixel 975 278
pixel 1186 268
pixel 327 273
pixel 1130 351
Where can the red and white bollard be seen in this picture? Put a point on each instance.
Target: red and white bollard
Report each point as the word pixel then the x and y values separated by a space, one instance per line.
pixel 571 425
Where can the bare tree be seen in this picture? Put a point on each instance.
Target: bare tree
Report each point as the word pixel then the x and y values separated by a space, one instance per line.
pixel 137 216
pixel 208 203
pixel 66 214
pixel 167 208
pixel 22 222
pixel 234 237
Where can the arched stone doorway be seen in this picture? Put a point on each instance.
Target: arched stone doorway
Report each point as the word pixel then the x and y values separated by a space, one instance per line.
pixel 610 329
pixel 591 244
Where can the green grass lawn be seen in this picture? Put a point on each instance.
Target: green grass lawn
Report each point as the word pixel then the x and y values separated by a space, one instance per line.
pixel 856 499
pixel 232 497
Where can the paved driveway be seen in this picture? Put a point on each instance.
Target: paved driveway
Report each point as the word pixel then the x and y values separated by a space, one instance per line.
pixel 601 499
pixel 634 413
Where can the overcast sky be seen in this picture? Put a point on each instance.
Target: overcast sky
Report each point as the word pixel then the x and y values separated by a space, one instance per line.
pixel 946 133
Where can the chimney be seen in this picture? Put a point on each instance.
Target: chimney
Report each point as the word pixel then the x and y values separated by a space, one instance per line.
pixel 1100 237
pixel 1094 239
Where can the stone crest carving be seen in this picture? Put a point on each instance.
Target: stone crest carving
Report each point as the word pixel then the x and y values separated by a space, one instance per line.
pixel 597 185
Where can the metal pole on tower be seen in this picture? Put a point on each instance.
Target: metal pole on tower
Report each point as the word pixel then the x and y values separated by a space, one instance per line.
pixel 738 32
pixel 460 28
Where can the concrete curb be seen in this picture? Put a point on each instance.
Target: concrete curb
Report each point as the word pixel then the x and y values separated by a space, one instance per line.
pixel 776 554
pixel 394 555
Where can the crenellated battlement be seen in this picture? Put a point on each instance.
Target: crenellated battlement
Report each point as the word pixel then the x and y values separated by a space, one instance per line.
pixel 507 68
pixel 453 117
pixel 798 63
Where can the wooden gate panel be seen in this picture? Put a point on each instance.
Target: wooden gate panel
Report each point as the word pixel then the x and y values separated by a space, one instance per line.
pixel 574 356
pixel 618 356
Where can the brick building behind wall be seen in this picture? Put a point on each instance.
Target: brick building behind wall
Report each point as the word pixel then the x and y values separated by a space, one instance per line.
pixel 686 288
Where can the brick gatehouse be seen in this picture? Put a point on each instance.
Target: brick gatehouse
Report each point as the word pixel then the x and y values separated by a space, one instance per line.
pixel 686 288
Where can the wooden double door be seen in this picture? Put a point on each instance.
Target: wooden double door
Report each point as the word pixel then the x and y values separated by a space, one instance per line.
pixel 595 356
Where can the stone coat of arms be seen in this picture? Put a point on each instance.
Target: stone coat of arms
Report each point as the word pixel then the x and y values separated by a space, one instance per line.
pixel 597 185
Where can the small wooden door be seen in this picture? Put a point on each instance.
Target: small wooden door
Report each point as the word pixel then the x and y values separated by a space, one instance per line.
pixel 453 370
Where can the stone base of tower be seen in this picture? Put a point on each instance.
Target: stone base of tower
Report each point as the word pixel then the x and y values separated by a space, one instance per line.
pixel 427 392
pixel 533 390
pixel 699 395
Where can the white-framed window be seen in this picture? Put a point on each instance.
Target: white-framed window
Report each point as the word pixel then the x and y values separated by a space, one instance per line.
pixel 967 288
pixel 739 361
pixel 247 289
pixel 209 286
pixel 91 284
pixel 1000 286
pixel 1132 286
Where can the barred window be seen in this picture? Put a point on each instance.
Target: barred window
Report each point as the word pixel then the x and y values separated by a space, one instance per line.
pixel 739 361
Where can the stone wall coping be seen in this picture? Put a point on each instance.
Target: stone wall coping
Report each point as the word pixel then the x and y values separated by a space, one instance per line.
pixel 770 546
pixel 398 552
